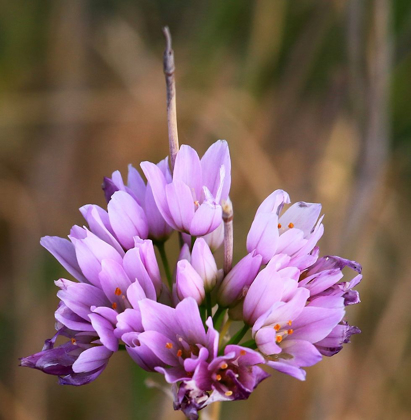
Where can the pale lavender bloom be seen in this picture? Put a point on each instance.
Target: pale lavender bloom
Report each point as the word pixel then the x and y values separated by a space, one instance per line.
pixel 236 283
pixel 288 331
pixel 77 362
pixel 294 233
pixel 157 228
pixel 191 202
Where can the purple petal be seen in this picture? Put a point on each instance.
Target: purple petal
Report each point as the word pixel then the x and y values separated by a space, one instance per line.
pixel 114 281
pixel 302 215
pixel 105 331
pixel 136 184
pixel 127 218
pixel 91 359
pixel 274 202
pixel 187 170
pixel 207 218
pixel 181 204
pixel 189 320
pixel 163 347
pixel 90 252
pixel 188 282
pixel 158 183
pixel 263 235
pixel 63 251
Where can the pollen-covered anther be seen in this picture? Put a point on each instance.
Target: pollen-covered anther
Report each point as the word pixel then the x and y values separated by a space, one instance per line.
pixel 228 393
pixel 73 341
pixel 223 365
pixel 279 338
pixel 118 291
pixel 290 331
pixel 179 353
pixel 169 345
pixel 277 327
pixel 197 203
pixel 114 305
pixel 291 225
pixel 289 322
pixel 218 378
pixel 279 226
pixel 243 353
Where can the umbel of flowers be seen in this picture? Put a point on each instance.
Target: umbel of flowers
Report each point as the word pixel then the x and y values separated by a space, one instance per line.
pixel 288 303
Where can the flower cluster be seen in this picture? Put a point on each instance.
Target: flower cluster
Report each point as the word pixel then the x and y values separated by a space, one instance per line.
pixel 289 304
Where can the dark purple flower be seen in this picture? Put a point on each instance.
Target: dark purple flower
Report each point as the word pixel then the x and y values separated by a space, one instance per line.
pixel 78 361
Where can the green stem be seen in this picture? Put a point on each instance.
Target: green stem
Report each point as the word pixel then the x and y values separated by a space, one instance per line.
pixel 122 347
pixel 208 305
pixel 163 255
pixel 217 318
pixel 251 344
pixel 203 314
pixel 193 239
pixel 237 337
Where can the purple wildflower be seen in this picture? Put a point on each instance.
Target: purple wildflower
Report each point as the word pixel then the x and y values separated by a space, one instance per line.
pixel 142 194
pixel 191 202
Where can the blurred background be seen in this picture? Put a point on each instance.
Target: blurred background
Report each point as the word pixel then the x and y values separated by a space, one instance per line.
pixel 313 97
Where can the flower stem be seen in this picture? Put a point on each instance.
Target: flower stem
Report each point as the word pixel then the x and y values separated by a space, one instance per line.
pixel 169 69
pixel 251 344
pixel 163 255
pixel 217 318
pixel 237 337
pixel 228 215
pixel 208 305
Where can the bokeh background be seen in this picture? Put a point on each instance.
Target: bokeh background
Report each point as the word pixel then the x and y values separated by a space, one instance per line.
pixel 313 96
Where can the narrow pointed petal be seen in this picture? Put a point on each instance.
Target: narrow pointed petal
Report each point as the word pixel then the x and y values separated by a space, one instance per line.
pixel 114 281
pixel 127 218
pixel 189 283
pixel 63 251
pixel 92 359
pixel 187 170
pixel 215 157
pixel 158 183
pixel 204 263
pixel 274 202
pixel 181 204
pixel 105 331
pixel 189 320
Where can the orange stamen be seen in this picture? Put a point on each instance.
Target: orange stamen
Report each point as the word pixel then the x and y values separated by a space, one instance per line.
pixel 118 291
pixel 73 341
pixel 224 365
pixel 179 353
pixel 218 377
pixel 279 226
pixel 243 353
pixel 289 322
pixel 169 345
pixel 277 327
pixel 291 225
pixel 290 331
pixel 114 305
pixel 279 338
pixel 229 393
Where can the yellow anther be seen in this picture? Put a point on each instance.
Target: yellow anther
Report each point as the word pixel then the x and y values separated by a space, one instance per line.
pixel 228 393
